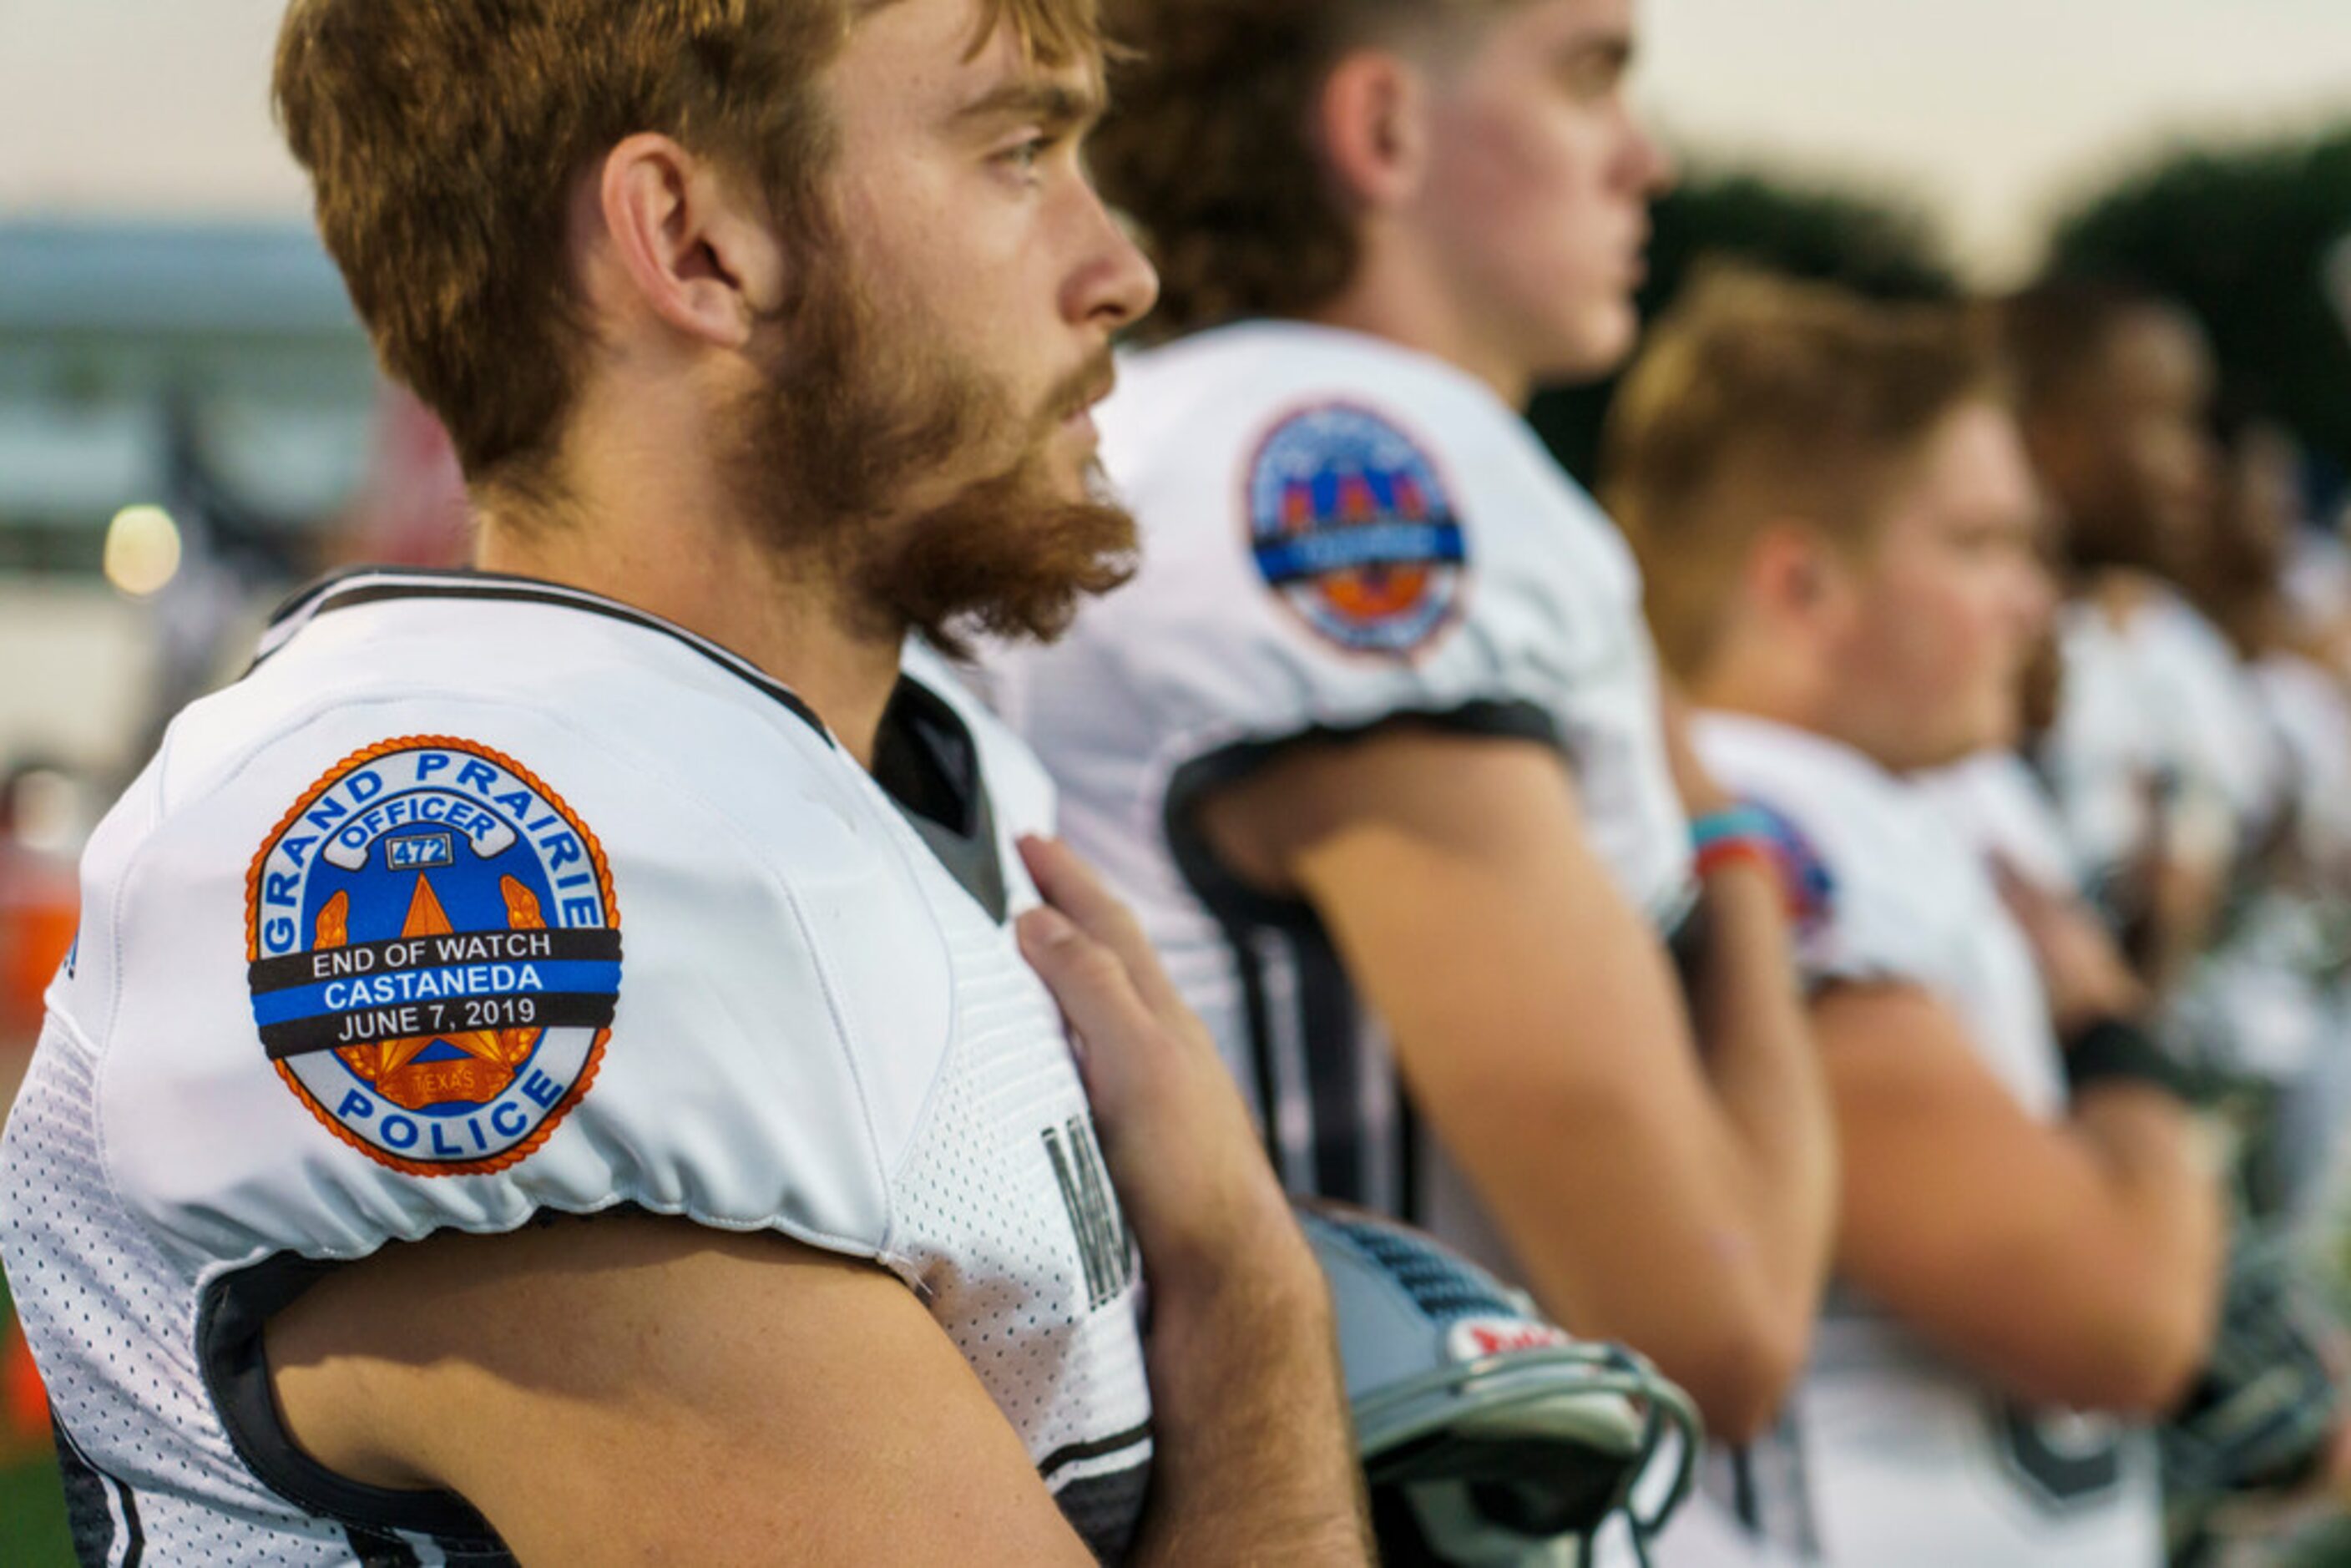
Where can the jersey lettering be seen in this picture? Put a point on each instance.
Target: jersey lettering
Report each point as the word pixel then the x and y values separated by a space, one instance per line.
pixel 1104 1244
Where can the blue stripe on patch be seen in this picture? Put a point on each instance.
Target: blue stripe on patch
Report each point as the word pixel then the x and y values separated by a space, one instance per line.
pixel 1344 550
pixel 575 977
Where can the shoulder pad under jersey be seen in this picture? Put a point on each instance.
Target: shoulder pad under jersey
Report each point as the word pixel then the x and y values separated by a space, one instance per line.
pixel 1338 531
pixel 430 961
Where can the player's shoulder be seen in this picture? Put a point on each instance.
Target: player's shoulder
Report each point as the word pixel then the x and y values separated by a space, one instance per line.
pixel 1265 363
pixel 1843 799
pixel 2177 629
pixel 377 947
pixel 1337 529
pixel 1275 403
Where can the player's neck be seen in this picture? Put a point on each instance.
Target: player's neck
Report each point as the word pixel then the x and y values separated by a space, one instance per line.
pixel 665 538
pixel 1760 678
pixel 1409 307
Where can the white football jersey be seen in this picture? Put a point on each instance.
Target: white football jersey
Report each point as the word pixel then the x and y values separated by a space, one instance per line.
pixel 480 900
pixel 1339 534
pixel 1911 1457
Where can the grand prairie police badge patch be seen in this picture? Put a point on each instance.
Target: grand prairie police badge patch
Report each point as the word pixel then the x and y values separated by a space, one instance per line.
pixel 435 956
pixel 1352 526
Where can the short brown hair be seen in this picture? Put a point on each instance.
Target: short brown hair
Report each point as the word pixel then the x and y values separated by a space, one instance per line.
pixel 445 138
pixel 1759 399
pixel 2054 334
pixel 1210 148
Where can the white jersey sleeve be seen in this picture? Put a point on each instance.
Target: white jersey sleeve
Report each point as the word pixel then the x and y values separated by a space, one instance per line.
pixel 1885 914
pixel 1910 897
pixel 547 899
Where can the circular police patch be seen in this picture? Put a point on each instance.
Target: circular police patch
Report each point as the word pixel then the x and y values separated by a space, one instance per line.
pixel 435 955
pixel 1352 526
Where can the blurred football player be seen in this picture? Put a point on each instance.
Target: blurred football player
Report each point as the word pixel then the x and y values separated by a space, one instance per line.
pixel 1374 739
pixel 2162 771
pixel 1838 518
pixel 550 1072
pixel 2261 1421
pixel 2272 993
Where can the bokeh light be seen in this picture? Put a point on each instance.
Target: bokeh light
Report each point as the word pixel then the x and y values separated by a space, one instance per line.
pixel 142 551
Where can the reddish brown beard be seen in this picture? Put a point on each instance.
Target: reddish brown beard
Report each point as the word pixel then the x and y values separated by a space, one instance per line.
pixel 863 409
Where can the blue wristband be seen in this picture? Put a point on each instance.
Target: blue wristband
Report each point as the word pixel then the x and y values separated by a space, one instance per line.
pixel 1806 888
pixel 1740 822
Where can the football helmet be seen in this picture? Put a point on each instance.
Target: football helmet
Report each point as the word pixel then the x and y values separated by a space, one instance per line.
pixel 1490 1438
pixel 2263 1413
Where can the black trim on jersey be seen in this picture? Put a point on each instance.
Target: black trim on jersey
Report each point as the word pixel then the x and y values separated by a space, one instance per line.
pixel 1410 1145
pixel 926 761
pixel 1240 939
pixel 134 1547
pixel 375 1549
pixel 1061 1458
pixel 1688 945
pixel 1769 1487
pixel 348 590
pixel 1334 1065
pixel 92 1495
pixel 1105 1509
pixel 1329 1029
pixel 229 1322
pixel 380 1548
pixel 1747 1502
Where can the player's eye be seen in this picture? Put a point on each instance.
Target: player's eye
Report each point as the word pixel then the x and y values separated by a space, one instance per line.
pixel 1024 156
pixel 1593 73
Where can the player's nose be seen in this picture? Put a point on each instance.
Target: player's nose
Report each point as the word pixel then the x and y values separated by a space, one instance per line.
pixel 1117 286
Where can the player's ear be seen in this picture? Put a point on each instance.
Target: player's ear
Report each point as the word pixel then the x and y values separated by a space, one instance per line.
pixel 1372 117
pixel 1795 577
pixel 698 254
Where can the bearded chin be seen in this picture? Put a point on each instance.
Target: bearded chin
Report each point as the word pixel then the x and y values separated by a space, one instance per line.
pixel 857 417
pixel 1010 558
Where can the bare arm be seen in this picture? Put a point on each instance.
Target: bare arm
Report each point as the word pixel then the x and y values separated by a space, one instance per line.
pixel 1679 1201
pixel 2077 1263
pixel 635 1390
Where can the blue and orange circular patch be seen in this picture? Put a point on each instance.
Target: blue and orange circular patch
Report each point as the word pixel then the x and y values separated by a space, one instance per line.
pixel 435 955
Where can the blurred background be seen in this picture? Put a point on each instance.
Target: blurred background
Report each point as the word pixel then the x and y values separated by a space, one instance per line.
pixel 191 423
